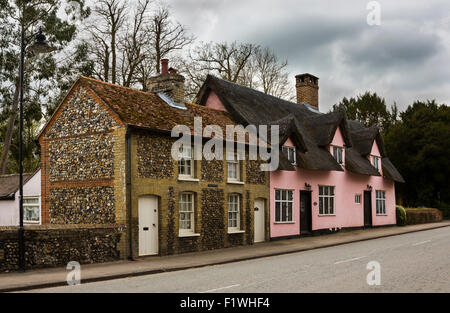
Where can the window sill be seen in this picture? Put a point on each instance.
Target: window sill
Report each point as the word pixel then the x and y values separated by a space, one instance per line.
pixel 324 215
pixel 291 222
pixel 236 231
pixel 188 235
pixel 236 182
pixel 188 179
pixel 381 215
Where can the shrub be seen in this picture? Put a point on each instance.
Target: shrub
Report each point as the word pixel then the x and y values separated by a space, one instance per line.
pixel 420 216
pixel 400 214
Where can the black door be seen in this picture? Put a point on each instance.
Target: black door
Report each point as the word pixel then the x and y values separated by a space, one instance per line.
pixel 367 208
pixel 305 212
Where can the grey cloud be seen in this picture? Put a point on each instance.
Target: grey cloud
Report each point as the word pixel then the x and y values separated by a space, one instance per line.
pixel 403 59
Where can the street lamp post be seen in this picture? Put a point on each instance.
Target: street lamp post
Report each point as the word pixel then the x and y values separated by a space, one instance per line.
pixel 39 46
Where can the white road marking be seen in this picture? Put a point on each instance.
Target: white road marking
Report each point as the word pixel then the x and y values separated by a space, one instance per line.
pixel 350 260
pixel 421 243
pixel 216 289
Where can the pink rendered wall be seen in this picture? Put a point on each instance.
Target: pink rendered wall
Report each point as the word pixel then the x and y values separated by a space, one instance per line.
pixel 347 184
pixel 213 102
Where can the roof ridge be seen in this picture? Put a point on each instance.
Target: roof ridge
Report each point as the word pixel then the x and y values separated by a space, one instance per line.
pixel 116 85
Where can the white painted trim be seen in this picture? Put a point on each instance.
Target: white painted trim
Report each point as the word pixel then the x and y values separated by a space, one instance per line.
pixel 236 182
pixel 188 178
pixel 231 231
pixel 188 234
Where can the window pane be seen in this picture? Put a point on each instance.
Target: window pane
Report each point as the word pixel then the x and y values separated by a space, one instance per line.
pixel 331 205
pixel 277 195
pixel 290 193
pixel 277 212
pixel 289 217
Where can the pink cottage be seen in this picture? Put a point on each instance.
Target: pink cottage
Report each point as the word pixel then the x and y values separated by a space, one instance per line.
pixel 333 174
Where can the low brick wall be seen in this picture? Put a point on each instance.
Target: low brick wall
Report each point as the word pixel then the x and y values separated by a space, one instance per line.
pixel 421 216
pixel 56 245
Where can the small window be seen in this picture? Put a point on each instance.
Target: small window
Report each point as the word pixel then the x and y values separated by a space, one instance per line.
pixel 358 199
pixel 234 212
pixel 185 162
pixel 186 208
pixel 284 202
pixel 289 152
pixel 337 153
pixel 326 200
pixel 380 198
pixel 233 167
pixel 31 210
pixel 375 162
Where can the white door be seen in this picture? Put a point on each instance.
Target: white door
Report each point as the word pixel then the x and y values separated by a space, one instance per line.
pixel 148 225
pixel 259 220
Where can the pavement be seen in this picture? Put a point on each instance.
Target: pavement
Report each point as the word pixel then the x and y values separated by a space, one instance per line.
pixel 53 277
pixel 412 262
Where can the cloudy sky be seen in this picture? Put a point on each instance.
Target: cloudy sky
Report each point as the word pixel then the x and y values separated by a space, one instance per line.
pixel 403 59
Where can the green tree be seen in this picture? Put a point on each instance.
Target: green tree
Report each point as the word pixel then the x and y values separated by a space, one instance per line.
pixel 369 109
pixel 419 146
pixel 41 79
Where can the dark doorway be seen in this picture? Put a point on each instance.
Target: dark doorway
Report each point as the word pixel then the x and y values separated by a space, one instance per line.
pixel 367 208
pixel 305 212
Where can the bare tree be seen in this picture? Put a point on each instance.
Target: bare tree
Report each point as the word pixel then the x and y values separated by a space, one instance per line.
pixel 167 36
pixel 243 63
pixel 271 75
pixel 108 20
pixel 135 44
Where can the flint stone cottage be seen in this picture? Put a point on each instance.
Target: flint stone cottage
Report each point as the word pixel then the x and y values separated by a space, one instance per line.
pixel 106 159
pixel 333 173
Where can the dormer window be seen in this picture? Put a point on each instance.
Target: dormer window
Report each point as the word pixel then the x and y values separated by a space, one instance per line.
pixel 375 162
pixel 290 154
pixel 337 154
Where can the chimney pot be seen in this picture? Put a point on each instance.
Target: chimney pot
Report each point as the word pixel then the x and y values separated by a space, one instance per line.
pixel 164 66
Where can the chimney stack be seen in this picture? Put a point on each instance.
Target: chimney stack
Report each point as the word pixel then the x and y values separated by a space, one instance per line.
pixel 164 66
pixel 307 86
pixel 169 82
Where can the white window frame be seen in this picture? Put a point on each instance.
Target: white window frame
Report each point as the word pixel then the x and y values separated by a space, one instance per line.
pixel 188 210
pixel 28 205
pixel 186 157
pixel 375 162
pixel 358 198
pixel 380 201
pixel 326 200
pixel 286 197
pixel 338 154
pixel 233 162
pixel 289 151
pixel 234 212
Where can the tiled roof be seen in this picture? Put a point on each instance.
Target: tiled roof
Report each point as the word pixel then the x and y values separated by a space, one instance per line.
pixel 147 110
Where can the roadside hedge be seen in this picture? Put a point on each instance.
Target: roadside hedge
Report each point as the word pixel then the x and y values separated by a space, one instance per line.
pixel 421 216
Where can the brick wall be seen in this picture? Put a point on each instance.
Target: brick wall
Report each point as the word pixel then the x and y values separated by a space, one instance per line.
pixel 211 196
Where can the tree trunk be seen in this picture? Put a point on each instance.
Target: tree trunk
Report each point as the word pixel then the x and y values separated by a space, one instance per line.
pixel 9 131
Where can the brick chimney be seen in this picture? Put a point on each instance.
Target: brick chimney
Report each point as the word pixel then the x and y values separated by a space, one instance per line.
pixel 307 86
pixel 169 82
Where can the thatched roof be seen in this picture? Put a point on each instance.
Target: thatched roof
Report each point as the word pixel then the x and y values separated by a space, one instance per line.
pixel 389 171
pixel 311 131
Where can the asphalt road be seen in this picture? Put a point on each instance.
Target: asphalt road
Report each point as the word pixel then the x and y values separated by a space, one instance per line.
pixel 414 262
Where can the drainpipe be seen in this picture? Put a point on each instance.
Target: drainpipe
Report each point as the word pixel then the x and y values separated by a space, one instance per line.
pixel 128 187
